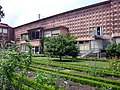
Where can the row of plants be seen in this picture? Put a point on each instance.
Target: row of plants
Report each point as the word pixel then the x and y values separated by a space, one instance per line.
pixel 68 63
pixel 81 68
pixel 81 80
pixel 81 76
pixel 38 55
pixel 75 59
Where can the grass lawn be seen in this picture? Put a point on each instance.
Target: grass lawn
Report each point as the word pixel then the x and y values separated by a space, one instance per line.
pixel 92 63
pixel 99 64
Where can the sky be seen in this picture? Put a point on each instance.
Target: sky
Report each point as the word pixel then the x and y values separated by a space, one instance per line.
pixel 19 12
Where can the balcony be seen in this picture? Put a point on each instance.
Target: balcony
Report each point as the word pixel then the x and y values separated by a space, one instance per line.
pixel 96 32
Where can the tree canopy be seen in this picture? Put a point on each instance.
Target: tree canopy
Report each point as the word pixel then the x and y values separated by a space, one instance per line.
pixel 61 46
pixel 113 50
pixel 2 14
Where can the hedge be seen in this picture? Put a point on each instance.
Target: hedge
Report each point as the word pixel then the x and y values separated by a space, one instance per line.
pixel 82 76
pixel 38 55
pixel 81 68
pixel 81 80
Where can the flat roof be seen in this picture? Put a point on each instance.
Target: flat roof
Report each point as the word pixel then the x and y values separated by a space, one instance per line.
pixel 82 8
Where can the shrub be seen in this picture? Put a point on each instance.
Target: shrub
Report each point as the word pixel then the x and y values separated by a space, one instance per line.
pixel 113 50
pixel 114 65
pixel 10 60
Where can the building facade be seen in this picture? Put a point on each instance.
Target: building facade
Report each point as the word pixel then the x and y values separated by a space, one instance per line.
pixel 6 34
pixel 95 26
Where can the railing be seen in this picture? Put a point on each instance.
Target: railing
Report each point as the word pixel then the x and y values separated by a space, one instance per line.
pixel 87 53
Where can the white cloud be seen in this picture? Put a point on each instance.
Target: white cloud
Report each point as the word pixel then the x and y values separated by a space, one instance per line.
pixel 23 11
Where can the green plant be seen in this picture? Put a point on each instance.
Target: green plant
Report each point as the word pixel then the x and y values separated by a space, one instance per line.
pixel 31 83
pixel 60 46
pixel 113 50
pixel 10 61
pixel 114 65
pixel 114 82
pixel 38 55
pixel 91 82
pixel 47 79
pixel 101 71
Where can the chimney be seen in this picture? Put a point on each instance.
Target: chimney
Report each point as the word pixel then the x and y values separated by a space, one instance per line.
pixel 38 16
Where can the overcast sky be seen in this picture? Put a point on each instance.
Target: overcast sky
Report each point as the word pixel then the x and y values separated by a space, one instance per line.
pixel 18 12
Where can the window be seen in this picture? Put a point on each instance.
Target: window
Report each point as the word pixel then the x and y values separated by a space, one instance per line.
pixel 98 31
pixel 47 33
pixel 24 36
pixel 0 30
pixel 35 35
pixel 95 31
pixel 37 49
pixel 81 42
pixel 55 32
pixel 24 47
pixel 4 30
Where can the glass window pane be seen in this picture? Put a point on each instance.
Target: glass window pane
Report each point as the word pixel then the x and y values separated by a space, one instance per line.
pixel 33 35
pixel 4 30
pixel 0 30
pixel 37 35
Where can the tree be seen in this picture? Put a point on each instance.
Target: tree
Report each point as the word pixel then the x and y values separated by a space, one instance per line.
pixel 118 50
pixel 71 49
pixel 2 14
pixel 60 46
pixel 113 50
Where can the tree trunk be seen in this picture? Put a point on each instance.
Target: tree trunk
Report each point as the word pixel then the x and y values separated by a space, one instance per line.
pixel 60 57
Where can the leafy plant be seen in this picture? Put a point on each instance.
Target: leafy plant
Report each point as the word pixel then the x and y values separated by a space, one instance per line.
pixel 93 82
pixel 47 79
pixel 60 46
pixel 113 50
pixel 114 65
pixel 11 60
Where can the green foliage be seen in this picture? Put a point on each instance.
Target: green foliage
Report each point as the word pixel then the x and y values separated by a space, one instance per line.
pixel 47 79
pixel 60 46
pixel 82 76
pixel 38 55
pixel 113 50
pixel 1 13
pixel 114 65
pixel 32 84
pixel 93 82
pixel 118 50
pixel 71 48
pixel 82 68
pixel 11 60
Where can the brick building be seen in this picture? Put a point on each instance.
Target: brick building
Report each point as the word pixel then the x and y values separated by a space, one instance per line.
pixel 94 25
pixel 6 34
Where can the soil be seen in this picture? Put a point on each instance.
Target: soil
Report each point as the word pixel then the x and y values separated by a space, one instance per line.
pixel 69 85
pixel 113 78
pixel 31 74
